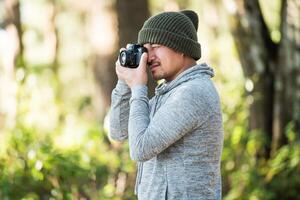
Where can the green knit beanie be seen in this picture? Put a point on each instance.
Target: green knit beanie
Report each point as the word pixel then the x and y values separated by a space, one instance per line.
pixel 176 30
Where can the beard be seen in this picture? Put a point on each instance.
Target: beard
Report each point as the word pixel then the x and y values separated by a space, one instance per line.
pixel 155 69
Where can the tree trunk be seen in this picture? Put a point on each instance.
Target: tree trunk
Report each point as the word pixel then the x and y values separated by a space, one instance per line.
pixel 12 59
pixel 102 25
pixel 131 17
pixel 53 42
pixel 287 90
pixel 273 68
pixel 105 75
pixel 13 18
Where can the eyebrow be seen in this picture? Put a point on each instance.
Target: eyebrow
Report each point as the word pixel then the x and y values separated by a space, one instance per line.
pixel 155 45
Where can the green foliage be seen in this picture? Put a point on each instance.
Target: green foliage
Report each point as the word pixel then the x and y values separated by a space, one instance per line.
pixel 248 176
pixel 33 168
pixel 54 147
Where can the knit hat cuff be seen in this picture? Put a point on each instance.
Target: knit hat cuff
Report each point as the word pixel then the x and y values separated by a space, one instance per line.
pixel 174 41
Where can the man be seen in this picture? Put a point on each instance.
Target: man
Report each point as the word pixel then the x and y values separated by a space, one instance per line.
pixel 177 136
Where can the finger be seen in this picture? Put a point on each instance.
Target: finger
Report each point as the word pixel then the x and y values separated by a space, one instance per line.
pixel 122 49
pixel 120 69
pixel 143 61
pixel 119 72
pixel 118 63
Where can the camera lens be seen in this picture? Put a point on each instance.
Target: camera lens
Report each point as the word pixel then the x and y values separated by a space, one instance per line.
pixel 122 58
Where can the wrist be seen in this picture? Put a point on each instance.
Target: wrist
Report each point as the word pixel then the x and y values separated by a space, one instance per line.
pixel 139 91
pixel 137 83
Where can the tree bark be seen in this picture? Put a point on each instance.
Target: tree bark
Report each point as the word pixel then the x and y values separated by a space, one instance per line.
pixel 287 90
pixel 13 58
pixel 102 20
pixel 131 17
pixel 273 68
pixel 13 18
pixel 54 43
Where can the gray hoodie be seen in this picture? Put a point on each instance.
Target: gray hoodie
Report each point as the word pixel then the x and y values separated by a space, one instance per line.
pixel 176 137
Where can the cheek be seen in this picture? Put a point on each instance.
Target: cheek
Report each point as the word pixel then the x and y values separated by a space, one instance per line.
pixel 165 60
pixel 170 61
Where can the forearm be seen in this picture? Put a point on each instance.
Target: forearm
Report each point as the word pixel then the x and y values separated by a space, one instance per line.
pixel 138 121
pixel 119 112
pixel 178 116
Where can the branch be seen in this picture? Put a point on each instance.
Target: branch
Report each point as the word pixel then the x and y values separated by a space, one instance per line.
pixel 252 38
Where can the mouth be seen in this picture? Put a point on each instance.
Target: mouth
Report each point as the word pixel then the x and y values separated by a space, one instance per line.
pixel 154 65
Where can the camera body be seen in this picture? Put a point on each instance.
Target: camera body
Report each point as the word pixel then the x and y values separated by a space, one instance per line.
pixel 131 56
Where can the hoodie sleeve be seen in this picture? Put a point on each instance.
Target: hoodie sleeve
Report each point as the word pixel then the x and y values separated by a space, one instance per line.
pixel 184 110
pixel 119 112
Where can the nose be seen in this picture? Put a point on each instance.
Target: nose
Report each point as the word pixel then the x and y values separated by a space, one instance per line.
pixel 151 55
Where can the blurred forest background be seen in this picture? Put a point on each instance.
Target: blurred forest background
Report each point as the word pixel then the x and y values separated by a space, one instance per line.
pixel 57 72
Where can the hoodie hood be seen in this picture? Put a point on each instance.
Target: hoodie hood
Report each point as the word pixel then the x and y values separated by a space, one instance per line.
pixel 196 71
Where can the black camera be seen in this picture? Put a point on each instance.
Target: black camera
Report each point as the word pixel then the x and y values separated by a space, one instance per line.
pixel 131 56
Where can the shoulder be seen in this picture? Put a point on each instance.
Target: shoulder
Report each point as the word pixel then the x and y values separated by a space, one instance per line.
pixel 200 92
pixel 197 88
